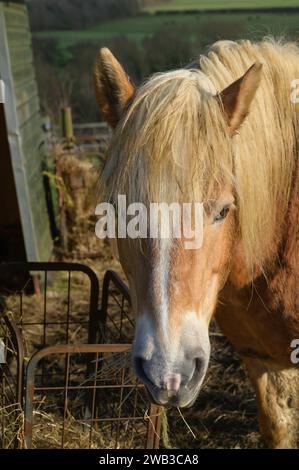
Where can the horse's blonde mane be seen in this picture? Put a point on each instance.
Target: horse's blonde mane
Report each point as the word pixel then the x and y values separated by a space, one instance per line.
pixel 173 143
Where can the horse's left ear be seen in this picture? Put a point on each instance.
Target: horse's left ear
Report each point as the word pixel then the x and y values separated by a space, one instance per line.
pixel 237 97
pixel 113 87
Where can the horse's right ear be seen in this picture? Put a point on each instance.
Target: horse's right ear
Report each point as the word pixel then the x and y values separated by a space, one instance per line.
pixel 237 97
pixel 113 87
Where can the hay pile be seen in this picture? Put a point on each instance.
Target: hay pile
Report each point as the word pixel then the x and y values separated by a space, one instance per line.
pixel 12 426
pixel 49 410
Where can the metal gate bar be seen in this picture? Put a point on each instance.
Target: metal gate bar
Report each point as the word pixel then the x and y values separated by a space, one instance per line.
pixel 152 436
pixel 11 376
pixel 64 371
pixel 114 322
pixel 14 268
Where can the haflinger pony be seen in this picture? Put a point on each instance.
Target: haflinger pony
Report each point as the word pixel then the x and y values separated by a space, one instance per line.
pixel 223 131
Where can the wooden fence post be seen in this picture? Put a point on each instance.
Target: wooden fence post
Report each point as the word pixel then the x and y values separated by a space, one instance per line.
pixel 67 125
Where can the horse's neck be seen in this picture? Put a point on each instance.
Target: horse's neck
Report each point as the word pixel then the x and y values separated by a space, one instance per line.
pixel 285 253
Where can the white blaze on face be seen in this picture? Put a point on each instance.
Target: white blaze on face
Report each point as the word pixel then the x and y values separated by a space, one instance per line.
pixel 170 349
pixel 161 275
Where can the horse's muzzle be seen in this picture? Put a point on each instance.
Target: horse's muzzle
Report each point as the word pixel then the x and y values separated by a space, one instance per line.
pixel 174 389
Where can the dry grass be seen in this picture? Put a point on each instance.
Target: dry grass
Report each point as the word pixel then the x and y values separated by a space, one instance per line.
pixel 49 428
pixel 12 425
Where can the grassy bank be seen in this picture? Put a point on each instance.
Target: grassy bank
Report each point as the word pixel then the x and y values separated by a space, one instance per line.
pixel 179 5
pixel 253 25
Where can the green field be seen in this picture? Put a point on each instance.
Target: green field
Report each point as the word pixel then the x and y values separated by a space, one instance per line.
pixel 253 25
pixel 216 4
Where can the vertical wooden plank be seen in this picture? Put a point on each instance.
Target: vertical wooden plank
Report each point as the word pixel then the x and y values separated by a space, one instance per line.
pixel 35 231
pixel 14 143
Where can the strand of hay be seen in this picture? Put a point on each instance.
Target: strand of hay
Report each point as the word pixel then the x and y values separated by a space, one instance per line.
pixel 188 427
pixel 12 417
pixel 165 430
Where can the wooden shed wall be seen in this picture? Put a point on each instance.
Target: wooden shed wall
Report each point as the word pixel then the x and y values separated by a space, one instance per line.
pixel 22 112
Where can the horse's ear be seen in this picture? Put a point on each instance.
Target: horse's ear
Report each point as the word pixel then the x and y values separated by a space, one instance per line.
pixel 237 97
pixel 113 87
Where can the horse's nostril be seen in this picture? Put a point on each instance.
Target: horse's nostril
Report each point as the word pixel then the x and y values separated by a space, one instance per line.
pixel 199 363
pixel 138 364
pixel 198 372
pixel 139 369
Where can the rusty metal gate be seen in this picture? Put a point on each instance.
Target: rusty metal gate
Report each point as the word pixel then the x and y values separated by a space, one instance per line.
pixel 12 357
pixel 79 390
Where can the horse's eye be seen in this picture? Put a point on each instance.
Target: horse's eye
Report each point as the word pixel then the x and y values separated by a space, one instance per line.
pixel 222 214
